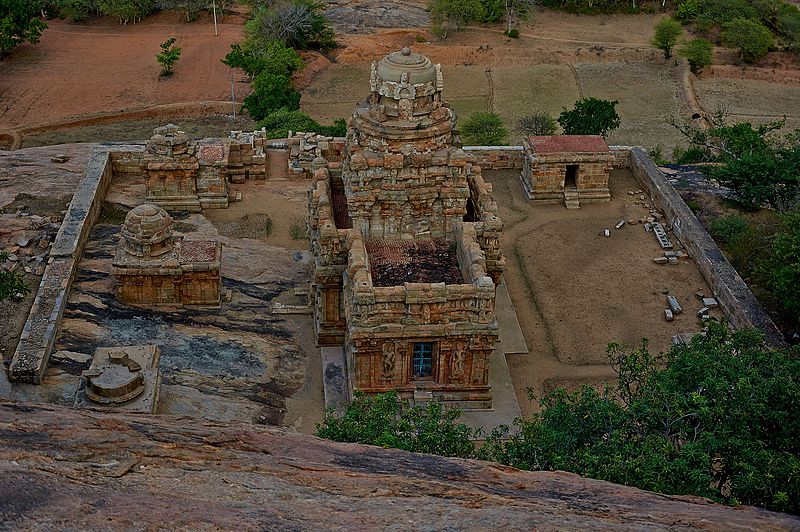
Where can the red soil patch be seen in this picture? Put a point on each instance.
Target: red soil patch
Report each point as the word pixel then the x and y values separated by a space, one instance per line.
pixel 87 69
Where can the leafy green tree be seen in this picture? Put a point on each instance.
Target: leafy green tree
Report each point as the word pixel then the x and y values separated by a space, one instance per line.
pixel 168 56
pixel 590 116
pixel 453 15
pixel 386 421
pixel 19 23
pixel 666 37
pixel 484 129
pixel 538 123
pixel 270 93
pixel 492 10
pixel 781 270
pixel 77 10
pixel 127 10
pixel 699 53
pixel 716 418
pixel 274 57
pixel 751 37
pixel 763 178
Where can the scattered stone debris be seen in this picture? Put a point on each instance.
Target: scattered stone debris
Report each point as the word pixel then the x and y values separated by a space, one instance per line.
pixel 606 232
pixel 632 221
pixel 710 302
pixel 668 315
pixel 660 260
pixel 672 301
pixel 700 294
pixel 702 312
pixel 661 236
pixel 619 224
pixel 59 159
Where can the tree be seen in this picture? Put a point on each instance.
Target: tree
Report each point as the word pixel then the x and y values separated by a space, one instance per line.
pixel 699 53
pixel 270 93
pixel 590 116
pixel 667 32
pixel 751 37
pixel 715 418
pixel 274 57
pixel 781 271
pixel 127 10
pixel 763 178
pixel 298 24
pixel 516 10
pixel 452 15
pixel 19 23
pixel 386 421
pixel 539 123
pixel 168 56
pixel 484 129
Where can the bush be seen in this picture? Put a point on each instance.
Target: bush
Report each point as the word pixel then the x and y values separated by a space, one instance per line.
pixel 763 178
pixel 781 271
pixel 386 421
pixel 77 10
pixel 751 37
pixel 12 284
pixel 590 116
pixel 299 24
pixel 538 123
pixel 271 92
pixel 492 10
pixel 484 129
pixel 667 32
pixel 127 10
pixel 729 229
pixel 699 53
pixel 168 56
pixel 691 155
pixel 19 23
pixel 280 122
pixel 513 33
pixel 274 57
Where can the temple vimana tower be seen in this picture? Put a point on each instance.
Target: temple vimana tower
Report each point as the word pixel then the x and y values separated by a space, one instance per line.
pixel 406 242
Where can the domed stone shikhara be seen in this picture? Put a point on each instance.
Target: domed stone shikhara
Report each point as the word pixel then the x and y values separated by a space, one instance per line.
pixel 152 268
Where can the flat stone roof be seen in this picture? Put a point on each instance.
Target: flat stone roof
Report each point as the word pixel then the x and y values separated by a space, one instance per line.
pixel 568 144
pixel 394 262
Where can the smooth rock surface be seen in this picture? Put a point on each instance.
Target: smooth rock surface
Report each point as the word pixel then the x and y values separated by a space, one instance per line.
pixel 86 470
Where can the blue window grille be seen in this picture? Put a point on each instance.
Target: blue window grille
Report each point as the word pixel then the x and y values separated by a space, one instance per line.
pixel 423 359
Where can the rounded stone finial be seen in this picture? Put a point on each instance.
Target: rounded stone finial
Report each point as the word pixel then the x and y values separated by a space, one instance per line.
pixel 406 50
pixel 418 68
pixel 147 231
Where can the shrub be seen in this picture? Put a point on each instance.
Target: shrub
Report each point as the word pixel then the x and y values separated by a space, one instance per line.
pixel 280 122
pixel 298 24
pixel 492 10
pixel 484 129
pixel 538 123
pixel 274 57
pixel 667 32
pixel 298 229
pixel 12 284
pixel 590 116
pixel 270 93
pixel 168 56
pixel 127 10
pixel 691 155
pixel 781 271
pixel 763 179
pixel 699 53
pixel 751 37
pixel 729 229
pixel 386 421
pixel 513 33
pixel 77 10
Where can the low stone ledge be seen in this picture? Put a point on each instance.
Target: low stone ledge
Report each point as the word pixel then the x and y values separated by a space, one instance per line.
pixel 736 300
pixel 497 157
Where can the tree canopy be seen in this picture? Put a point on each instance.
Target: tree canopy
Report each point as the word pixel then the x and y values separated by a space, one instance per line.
pixel 666 37
pixel 751 37
pixel 19 22
pixel 484 129
pixel 715 418
pixel 590 116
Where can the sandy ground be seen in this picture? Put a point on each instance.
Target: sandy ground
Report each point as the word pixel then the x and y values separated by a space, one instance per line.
pixel 576 291
pixel 102 66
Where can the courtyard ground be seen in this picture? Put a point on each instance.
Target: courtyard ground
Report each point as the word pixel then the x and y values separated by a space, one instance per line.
pixel 575 291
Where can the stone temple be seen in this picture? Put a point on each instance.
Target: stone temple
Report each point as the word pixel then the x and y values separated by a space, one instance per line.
pixel 151 268
pixel 406 243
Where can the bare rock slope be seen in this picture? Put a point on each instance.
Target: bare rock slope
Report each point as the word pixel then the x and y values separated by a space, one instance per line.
pixel 89 470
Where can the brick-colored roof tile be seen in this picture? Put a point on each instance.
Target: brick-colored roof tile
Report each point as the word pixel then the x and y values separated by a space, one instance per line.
pixel 568 144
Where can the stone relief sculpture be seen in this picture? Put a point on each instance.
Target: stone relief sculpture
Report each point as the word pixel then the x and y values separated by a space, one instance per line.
pixel 389 361
pixel 457 362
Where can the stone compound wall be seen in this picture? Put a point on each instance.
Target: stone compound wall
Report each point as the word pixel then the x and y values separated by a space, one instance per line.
pixel 38 335
pixel 303 148
pixel 735 298
pixel 497 157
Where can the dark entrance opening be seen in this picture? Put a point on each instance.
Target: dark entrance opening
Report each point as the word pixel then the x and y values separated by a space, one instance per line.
pixel 472 212
pixel 571 176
